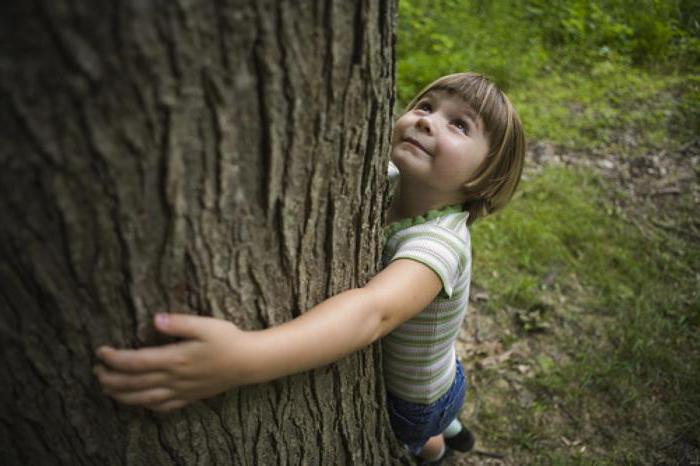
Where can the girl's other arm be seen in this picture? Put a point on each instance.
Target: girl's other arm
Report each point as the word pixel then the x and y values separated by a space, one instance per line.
pixel 216 355
pixel 348 321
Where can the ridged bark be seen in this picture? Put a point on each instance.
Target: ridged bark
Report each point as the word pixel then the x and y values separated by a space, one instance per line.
pixel 219 157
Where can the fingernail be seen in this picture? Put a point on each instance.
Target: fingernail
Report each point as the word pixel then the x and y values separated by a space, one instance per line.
pixel 162 320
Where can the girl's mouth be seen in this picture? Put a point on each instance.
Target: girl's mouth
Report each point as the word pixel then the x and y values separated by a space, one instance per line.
pixel 415 143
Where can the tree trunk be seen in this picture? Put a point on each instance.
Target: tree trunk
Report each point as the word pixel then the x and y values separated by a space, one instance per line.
pixel 221 157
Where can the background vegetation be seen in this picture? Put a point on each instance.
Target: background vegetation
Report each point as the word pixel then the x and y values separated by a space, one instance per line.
pixel 584 339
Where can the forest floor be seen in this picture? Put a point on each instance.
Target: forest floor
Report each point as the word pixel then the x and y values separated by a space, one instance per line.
pixel 514 357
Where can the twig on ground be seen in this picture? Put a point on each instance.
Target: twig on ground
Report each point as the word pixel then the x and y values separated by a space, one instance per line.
pixel 489 454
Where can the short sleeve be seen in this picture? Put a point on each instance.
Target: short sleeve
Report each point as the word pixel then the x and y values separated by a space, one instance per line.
pixel 437 248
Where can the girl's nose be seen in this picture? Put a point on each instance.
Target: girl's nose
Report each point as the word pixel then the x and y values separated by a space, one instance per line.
pixel 424 124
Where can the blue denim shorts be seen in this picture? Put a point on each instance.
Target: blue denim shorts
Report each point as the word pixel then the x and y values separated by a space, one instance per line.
pixel 415 423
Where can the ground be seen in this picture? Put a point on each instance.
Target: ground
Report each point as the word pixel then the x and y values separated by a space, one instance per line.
pixel 506 351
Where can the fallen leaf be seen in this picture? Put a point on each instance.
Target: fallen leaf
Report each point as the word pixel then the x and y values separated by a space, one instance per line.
pixel 496 359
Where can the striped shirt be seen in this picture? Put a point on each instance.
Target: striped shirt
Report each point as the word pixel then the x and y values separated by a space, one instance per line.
pixel 419 355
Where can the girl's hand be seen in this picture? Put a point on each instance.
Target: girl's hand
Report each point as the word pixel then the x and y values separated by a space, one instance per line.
pixel 213 358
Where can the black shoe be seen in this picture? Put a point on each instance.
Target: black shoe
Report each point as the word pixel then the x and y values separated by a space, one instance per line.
pixel 463 441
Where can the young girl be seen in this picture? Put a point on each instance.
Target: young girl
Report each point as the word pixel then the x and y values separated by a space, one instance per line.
pixel 459 149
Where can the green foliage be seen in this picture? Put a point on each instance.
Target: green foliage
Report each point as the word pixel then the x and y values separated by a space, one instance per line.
pixel 637 31
pixel 519 41
pixel 610 106
pixel 553 226
pixel 628 323
pixel 438 37
pixel 560 223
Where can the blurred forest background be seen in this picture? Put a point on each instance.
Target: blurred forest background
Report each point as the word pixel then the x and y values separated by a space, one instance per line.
pixel 583 341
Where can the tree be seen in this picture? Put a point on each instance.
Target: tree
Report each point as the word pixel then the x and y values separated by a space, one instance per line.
pixel 223 157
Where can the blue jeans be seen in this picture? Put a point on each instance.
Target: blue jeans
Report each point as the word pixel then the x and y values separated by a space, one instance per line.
pixel 415 423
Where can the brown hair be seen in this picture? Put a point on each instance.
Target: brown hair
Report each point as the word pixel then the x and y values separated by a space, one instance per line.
pixel 498 176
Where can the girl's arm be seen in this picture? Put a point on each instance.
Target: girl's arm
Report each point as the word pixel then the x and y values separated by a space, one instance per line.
pixel 216 355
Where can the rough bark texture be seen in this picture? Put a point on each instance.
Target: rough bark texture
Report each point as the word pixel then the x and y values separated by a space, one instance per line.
pixel 222 157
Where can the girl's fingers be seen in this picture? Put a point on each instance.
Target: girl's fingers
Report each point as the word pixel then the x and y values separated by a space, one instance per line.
pixel 182 325
pixel 149 397
pixel 112 381
pixel 168 405
pixel 144 359
pixel 195 329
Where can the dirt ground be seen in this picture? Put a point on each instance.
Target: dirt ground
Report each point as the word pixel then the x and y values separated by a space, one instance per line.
pixel 657 190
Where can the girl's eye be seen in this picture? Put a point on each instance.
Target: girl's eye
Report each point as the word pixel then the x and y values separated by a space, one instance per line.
pixel 424 106
pixel 461 125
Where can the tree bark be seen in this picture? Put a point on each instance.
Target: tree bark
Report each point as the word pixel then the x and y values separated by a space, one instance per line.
pixel 220 157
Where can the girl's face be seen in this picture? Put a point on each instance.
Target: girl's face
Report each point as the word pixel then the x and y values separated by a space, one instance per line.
pixel 439 143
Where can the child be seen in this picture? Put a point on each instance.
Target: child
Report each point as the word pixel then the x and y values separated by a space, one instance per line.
pixel 459 149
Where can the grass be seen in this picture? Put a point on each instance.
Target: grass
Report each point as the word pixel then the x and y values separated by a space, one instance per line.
pixel 610 107
pixel 612 328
